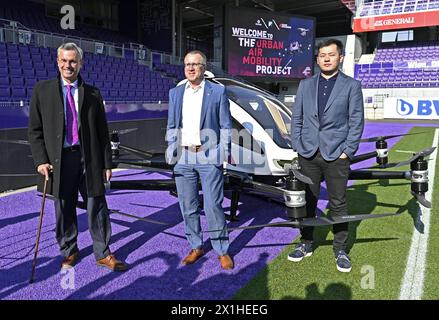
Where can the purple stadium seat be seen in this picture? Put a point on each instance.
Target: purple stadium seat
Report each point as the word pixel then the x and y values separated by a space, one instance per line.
pixel 28 73
pixel 30 82
pixel 4 81
pixel 15 63
pixel 14 71
pixel 41 73
pixel 17 81
pixel 18 92
pixel 5 93
pixel 39 65
pixel 131 94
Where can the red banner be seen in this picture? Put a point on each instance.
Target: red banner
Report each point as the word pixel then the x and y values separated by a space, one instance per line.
pixel 396 21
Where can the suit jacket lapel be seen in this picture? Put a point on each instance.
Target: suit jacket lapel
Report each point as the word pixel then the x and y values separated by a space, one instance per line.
pixel 80 95
pixel 60 105
pixel 315 89
pixel 205 104
pixel 338 87
pixel 179 103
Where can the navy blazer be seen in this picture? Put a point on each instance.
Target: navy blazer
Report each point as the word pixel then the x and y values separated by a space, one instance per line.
pixel 342 123
pixel 215 123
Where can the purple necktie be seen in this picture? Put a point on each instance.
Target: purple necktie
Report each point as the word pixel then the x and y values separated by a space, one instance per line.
pixel 71 117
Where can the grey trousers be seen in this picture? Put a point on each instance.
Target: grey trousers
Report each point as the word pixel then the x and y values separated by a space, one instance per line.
pixel 72 181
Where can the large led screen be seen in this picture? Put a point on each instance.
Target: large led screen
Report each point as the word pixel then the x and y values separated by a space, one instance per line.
pixel 268 44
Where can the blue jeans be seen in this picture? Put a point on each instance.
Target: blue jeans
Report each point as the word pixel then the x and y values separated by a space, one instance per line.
pixel 211 176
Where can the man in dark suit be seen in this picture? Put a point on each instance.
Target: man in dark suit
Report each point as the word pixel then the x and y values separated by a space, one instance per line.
pixel 68 135
pixel 327 124
pixel 198 135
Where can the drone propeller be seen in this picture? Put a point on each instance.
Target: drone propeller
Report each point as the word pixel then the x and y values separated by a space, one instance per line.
pixel 423 153
pixel 421 199
pixel 379 138
pixel 324 220
pixel 82 205
pixel 301 177
pixel 24 142
pixel 19 174
pixel 137 217
pixel 294 167
pixel 123 131
pixel 314 222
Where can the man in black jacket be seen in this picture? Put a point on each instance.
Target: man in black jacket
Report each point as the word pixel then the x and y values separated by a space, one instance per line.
pixel 68 135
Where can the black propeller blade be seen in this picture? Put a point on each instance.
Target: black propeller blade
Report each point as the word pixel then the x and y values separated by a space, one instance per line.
pixel 82 205
pixel 294 167
pixel 301 177
pixel 138 152
pixel 423 153
pixel 379 138
pixel 137 217
pixel 291 224
pixel 19 174
pixel 325 220
pixel 314 222
pixel 125 131
pixel 24 142
pixel 421 199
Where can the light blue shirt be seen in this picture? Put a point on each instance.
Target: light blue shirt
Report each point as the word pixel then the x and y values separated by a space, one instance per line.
pixel 74 90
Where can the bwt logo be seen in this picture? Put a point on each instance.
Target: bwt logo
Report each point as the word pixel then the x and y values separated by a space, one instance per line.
pixel 423 108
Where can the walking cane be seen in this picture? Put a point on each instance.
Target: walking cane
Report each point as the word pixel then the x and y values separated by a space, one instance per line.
pixel 38 232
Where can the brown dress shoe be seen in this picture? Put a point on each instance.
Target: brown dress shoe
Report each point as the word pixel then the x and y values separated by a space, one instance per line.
pixel 112 263
pixel 193 256
pixel 226 262
pixel 70 261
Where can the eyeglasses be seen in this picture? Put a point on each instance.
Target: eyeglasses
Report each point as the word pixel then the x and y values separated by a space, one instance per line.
pixel 193 65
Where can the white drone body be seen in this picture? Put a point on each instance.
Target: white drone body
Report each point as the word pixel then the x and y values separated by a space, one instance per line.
pixel 261 142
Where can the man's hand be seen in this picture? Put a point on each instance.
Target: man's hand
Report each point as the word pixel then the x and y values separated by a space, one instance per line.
pixel 45 169
pixel 107 175
pixel 343 156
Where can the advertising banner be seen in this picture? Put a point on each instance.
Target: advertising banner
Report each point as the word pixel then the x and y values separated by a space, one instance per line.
pixel 396 21
pixel 411 108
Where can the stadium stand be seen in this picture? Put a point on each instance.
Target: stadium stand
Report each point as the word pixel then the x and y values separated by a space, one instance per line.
pixel 33 16
pixel 119 79
pixel 171 70
pixel 386 7
pixel 406 66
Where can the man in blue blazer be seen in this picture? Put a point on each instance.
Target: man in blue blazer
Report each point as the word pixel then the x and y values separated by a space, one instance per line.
pixel 198 135
pixel 327 124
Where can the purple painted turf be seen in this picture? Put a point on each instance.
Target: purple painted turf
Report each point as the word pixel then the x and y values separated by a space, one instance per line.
pixel 154 252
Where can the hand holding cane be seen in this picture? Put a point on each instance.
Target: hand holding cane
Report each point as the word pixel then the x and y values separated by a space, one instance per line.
pixel 39 229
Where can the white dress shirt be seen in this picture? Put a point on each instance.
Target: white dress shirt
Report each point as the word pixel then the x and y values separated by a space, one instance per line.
pixel 191 114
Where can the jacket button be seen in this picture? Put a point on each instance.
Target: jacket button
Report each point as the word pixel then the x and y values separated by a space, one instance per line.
pixel 56 160
pixel 58 136
pixel 315 115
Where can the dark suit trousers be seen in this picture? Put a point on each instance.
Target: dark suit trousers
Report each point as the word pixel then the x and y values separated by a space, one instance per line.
pixel 72 180
pixel 336 175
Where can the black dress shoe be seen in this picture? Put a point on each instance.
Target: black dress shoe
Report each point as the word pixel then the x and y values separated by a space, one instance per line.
pixel 70 261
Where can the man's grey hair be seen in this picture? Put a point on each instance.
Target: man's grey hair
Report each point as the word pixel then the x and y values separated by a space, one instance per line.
pixel 197 52
pixel 71 46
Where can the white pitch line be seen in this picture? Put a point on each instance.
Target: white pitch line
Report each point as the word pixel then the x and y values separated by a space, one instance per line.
pixel 413 283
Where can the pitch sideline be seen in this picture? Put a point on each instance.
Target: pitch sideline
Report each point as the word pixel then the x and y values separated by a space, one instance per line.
pixel 413 281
